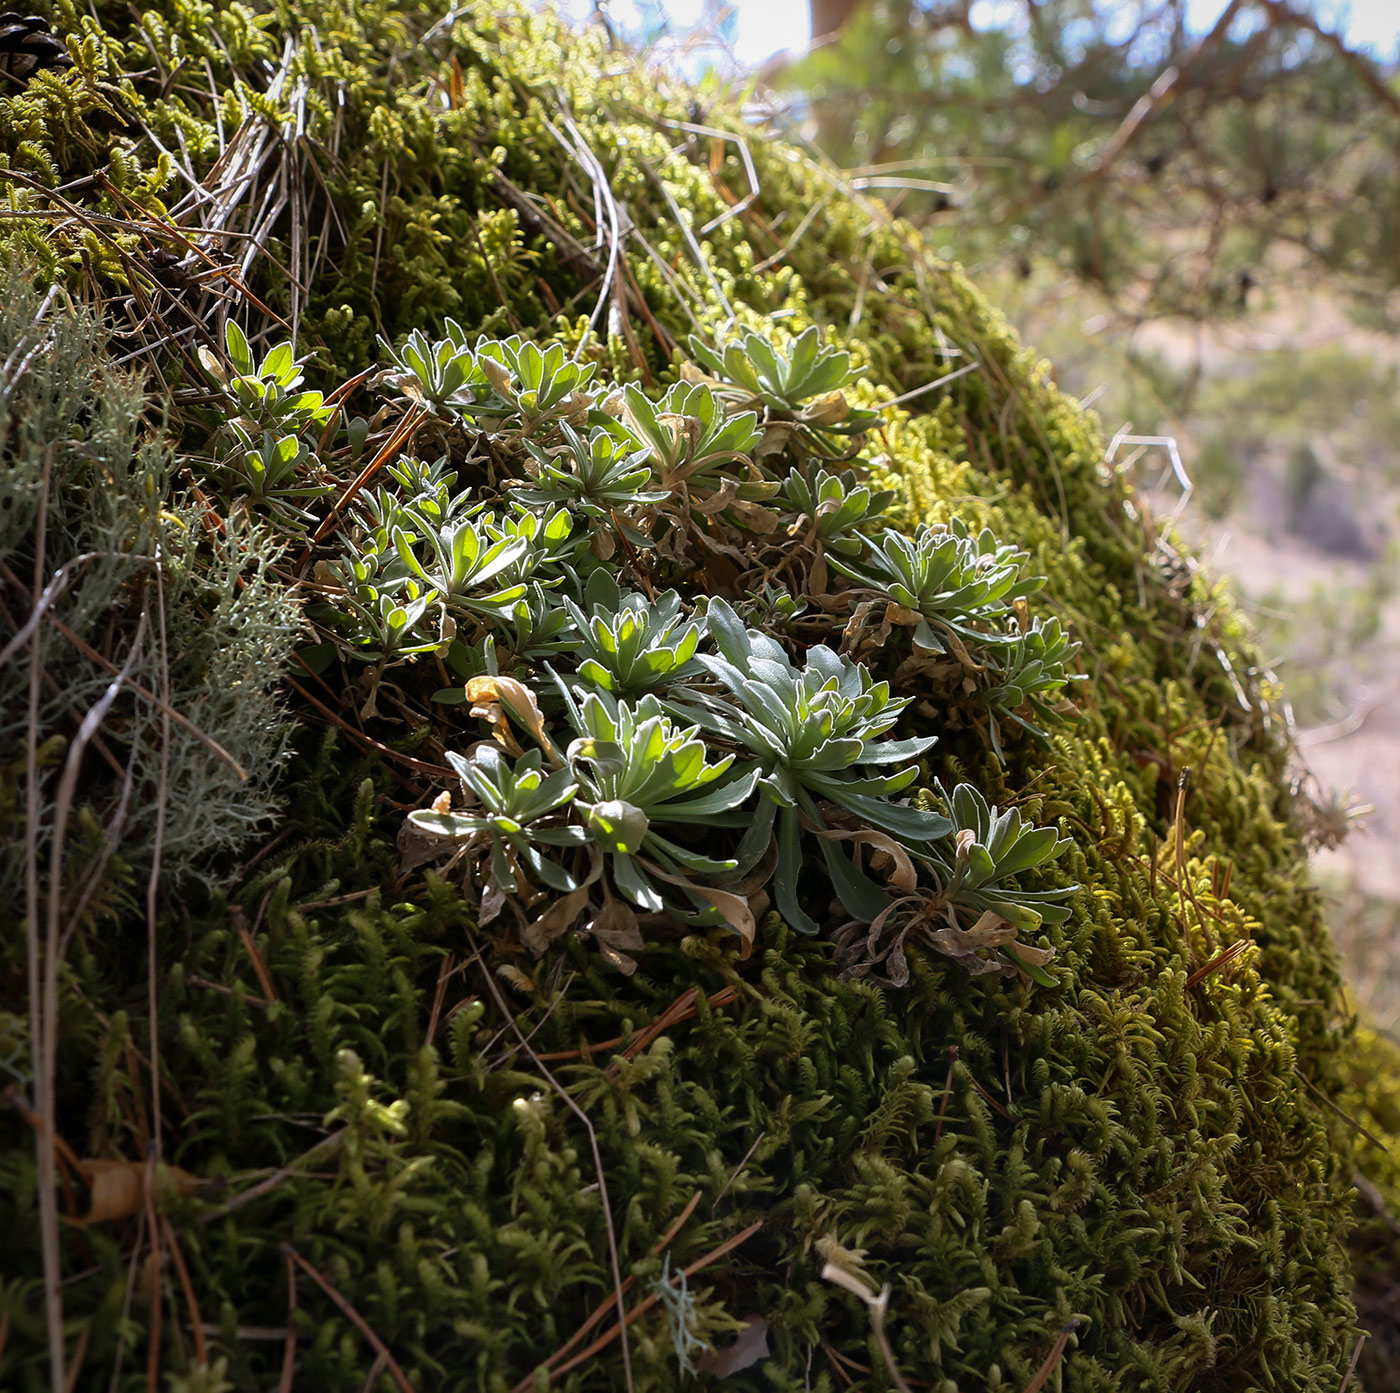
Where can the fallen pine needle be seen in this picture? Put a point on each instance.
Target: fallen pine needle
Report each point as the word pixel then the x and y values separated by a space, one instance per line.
pixel 353 1316
pixel 635 1314
pixel 1057 1351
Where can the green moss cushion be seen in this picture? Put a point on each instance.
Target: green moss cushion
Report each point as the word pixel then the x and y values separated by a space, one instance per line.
pixel 443 1155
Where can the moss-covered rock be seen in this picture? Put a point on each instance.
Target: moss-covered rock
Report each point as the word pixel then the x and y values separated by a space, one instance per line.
pixel 443 1156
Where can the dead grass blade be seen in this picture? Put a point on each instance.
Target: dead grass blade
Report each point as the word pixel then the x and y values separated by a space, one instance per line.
pixel 877 1305
pixel 1355 1357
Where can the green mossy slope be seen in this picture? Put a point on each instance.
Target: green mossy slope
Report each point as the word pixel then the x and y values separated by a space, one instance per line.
pixel 1139 1148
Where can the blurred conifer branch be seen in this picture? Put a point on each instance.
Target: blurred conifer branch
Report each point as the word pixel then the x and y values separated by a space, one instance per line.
pixel 1179 172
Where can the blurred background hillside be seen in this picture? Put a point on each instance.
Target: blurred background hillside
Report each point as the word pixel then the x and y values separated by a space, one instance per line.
pixel 1192 207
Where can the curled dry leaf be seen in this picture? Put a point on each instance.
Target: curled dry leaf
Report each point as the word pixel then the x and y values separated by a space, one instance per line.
pixel 212 366
pixel 756 517
pixel 774 440
pixel 561 915
pixel 408 384
pixel 493 899
pixel 557 919
pixel 578 405
pixel 418 847
pixel 891 859
pixel 829 409
pixel 497 374
pixel 863 948
pixel 517 701
pixel 970 947
pixel 491 712
pixel 736 910
pixel 899 614
pixel 718 501
pixel 1036 957
pixel 679 426
pixel 959 650
pixel 117 1189
pixel 744 1353
pixel 929 919
pixel 615 929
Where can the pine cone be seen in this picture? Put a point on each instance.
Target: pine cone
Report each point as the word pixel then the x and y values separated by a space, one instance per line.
pixel 27 47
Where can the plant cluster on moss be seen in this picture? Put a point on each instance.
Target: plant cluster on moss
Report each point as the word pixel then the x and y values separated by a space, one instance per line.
pixel 543 556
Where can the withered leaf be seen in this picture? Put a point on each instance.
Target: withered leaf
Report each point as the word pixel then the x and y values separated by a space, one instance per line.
pixel 493 899
pixel 117 1189
pixel 969 947
pixel 902 874
pixel 516 699
pixel 715 502
pixel 557 919
pixel 746 1351
pixel 615 928
pixel 212 366
pixel 735 908
pixel 497 374
pixel 417 847
pixel 828 409
pixel 756 517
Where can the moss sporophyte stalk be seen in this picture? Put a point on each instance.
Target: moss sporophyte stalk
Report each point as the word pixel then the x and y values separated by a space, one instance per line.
pixel 647 767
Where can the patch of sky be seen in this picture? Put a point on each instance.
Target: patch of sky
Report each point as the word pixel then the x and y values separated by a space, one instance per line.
pixel 751 32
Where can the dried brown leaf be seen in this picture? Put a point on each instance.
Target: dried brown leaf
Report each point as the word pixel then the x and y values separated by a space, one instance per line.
pixel 557 919
pixel 754 516
pixel 746 1351
pixel 417 847
pixel 901 873
pixel 497 374
pixel 718 501
pixel 493 899
pixel 828 409
pixel 615 928
pixel 1037 957
pixel 516 700
pixel 735 909
pixel 774 439
pixel 212 366
pixel 117 1189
